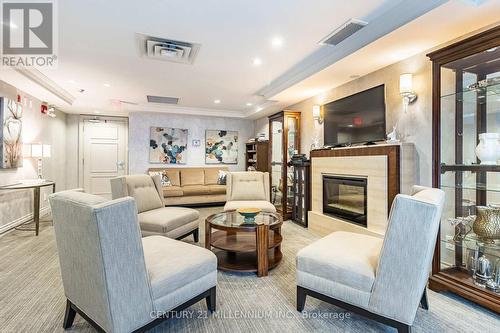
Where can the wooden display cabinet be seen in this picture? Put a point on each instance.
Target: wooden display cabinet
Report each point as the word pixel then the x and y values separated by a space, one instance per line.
pixel 284 141
pixel 466 103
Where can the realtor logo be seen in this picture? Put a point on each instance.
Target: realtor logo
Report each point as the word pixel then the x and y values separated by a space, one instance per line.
pixel 28 33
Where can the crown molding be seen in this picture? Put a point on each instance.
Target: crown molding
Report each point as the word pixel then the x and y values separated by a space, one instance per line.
pixel 43 81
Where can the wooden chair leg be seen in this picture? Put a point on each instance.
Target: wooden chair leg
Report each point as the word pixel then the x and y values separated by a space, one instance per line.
pixel 69 315
pixel 301 299
pixel 196 234
pixel 424 301
pixel 212 300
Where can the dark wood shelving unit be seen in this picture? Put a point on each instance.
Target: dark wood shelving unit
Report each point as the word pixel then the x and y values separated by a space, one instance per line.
pixel 460 113
pixel 257 155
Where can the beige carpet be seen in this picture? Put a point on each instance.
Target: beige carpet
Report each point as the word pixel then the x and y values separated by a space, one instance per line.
pixel 32 298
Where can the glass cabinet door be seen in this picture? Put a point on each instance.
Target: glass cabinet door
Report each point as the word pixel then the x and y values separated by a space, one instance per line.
pixel 276 129
pixel 470 176
pixel 284 140
pixel 292 148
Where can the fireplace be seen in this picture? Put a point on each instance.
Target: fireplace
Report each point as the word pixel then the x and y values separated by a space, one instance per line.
pixel 345 197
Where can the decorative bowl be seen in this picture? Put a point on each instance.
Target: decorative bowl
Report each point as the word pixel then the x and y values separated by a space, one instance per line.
pixel 249 214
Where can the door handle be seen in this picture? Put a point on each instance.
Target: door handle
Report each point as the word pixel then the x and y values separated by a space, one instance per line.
pixel 120 165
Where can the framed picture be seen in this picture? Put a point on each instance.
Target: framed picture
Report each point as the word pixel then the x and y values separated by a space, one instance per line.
pixel 168 145
pixel 11 143
pixel 221 147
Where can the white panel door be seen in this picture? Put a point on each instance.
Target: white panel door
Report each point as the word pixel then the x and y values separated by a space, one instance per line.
pixel 104 154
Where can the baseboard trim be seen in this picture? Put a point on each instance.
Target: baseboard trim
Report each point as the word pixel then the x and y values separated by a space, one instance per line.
pixel 23 219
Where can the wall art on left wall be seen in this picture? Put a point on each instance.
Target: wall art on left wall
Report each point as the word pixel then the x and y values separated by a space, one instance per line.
pixel 11 143
pixel 168 145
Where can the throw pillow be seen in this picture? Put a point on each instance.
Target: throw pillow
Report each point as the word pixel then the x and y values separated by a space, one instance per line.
pixel 222 178
pixel 165 181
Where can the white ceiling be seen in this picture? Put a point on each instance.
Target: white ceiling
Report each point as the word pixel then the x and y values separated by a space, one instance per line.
pixel 98 45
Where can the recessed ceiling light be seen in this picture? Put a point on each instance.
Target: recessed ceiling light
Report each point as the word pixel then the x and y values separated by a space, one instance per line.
pixel 249 104
pixel 277 42
pixel 257 61
pixel 259 109
pixel 217 101
pixel 107 85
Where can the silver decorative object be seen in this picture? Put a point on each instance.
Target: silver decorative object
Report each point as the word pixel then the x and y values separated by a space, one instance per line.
pixel 483 271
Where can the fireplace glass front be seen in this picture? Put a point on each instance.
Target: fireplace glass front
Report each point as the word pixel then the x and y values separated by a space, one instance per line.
pixel 345 197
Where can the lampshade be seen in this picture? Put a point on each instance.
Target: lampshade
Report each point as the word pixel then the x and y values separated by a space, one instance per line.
pixel 36 150
pixel 46 150
pixel 406 83
pixel 26 150
pixel 316 111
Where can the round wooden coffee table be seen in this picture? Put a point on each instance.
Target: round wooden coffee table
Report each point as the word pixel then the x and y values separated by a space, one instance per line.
pixel 245 247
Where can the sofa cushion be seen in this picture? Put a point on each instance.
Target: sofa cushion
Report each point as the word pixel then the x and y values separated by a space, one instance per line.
pixel 173 264
pixel 247 186
pixel 217 189
pixel 211 176
pixel 165 219
pixel 192 177
pixel 195 190
pixel 143 190
pixel 172 191
pixel 266 206
pixel 347 258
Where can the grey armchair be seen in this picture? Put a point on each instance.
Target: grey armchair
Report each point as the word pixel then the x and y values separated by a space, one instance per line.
pixel 248 190
pixel 114 279
pixel 154 217
pixel 382 279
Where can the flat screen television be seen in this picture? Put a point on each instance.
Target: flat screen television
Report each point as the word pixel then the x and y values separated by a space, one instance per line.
pixel 359 118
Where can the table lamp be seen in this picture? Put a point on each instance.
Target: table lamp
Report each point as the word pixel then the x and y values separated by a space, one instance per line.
pixel 38 151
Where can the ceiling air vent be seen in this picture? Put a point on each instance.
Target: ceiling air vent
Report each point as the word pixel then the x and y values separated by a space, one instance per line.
pixel 162 99
pixel 168 49
pixel 344 31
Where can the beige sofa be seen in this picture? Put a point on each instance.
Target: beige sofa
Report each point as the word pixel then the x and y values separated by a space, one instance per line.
pixel 192 186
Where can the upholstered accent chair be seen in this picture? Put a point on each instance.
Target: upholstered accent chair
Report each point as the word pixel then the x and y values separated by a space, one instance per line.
pixel 383 279
pixel 114 279
pixel 154 217
pixel 248 190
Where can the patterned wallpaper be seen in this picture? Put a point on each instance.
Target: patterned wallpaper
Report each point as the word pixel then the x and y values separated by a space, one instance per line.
pixel 139 129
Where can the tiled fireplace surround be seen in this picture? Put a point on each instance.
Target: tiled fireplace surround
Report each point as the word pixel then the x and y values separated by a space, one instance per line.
pixel 376 164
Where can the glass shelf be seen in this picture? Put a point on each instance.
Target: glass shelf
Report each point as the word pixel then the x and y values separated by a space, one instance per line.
pixel 473 187
pixel 478 95
pixel 473 242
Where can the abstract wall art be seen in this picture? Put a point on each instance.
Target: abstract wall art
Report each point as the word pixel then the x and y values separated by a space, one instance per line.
pixel 11 144
pixel 168 145
pixel 221 147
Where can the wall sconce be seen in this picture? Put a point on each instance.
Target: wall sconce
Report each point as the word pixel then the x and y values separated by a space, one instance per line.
pixel 317 114
pixel 406 89
pixel 39 151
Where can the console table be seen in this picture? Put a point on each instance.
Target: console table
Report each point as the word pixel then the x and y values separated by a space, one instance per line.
pixel 36 186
